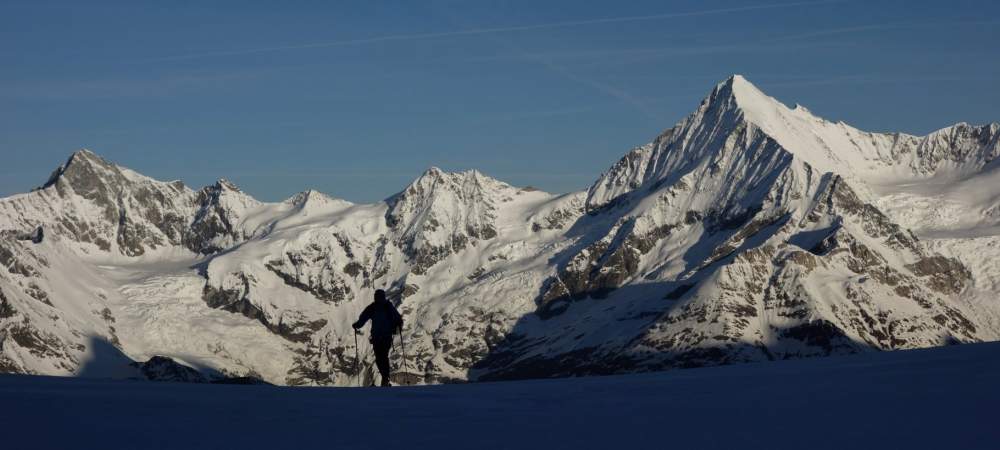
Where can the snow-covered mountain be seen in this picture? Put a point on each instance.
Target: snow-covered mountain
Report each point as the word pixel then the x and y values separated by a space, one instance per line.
pixel 749 231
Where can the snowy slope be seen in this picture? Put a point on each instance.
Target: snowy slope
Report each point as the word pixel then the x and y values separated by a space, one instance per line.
pixel 749 231
pixel 936 398
pixel 732 237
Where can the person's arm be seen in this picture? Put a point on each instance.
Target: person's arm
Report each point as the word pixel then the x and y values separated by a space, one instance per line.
pixel 363 319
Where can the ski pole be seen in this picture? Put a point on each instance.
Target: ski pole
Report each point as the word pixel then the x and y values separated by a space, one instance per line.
pixel 402 345
pixel 372 366
pixel 357 373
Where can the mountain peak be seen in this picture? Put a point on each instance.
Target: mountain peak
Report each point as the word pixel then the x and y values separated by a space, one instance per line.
pixel 436 189
pixel 433 171
pixel 311 198
pixel 429 178
pixel 441 213
pixel 734 104
pixel 85 156
pixel 797 130
pixel 434 176
pixel 84 153
pixel 83 166
pixel 741 92
pixel 736 80
pixel 225 185
pixel 225 192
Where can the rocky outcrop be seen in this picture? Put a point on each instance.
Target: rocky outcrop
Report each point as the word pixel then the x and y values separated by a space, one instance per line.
pixel 120 209
pixel 234 298
pixel 162 368
pixel 216 225
pixel 440 214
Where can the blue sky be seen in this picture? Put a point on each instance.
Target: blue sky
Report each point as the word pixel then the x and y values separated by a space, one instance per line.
pixel 356 99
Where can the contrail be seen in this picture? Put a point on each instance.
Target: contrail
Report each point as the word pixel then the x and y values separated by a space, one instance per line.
pixel 836 31
pixel 880 26
pixel 408 37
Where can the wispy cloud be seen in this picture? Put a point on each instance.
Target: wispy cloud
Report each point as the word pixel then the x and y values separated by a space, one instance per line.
pixel 585 58
pixel 513 116
pixel 563 71
pixel 158 86
pixel 604 87
pixel 877 27
pixel 582 58
pixel 832 32
pixel 866 79
pixel 481 31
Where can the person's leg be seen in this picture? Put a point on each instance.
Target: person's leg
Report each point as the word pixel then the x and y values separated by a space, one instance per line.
pixel 382 346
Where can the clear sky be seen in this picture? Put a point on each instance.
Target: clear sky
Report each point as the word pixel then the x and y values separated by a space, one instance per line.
pixel 356 99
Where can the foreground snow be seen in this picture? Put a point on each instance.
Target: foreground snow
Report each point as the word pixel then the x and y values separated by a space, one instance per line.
pixel 935 398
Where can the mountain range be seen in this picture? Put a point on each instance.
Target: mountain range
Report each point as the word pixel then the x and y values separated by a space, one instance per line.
pixel 749 231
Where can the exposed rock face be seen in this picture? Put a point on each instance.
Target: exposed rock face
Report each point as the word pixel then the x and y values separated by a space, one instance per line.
pixel 30 340
pixel 92 201
pixel 960 147
pixel 441 213
pixel 749 231
pixel 141 214
pixel 234 297
pixel 215 226
pixel 317 268
pixel 162 368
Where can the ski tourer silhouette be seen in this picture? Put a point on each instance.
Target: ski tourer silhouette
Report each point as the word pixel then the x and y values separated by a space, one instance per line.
pixel 386 321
